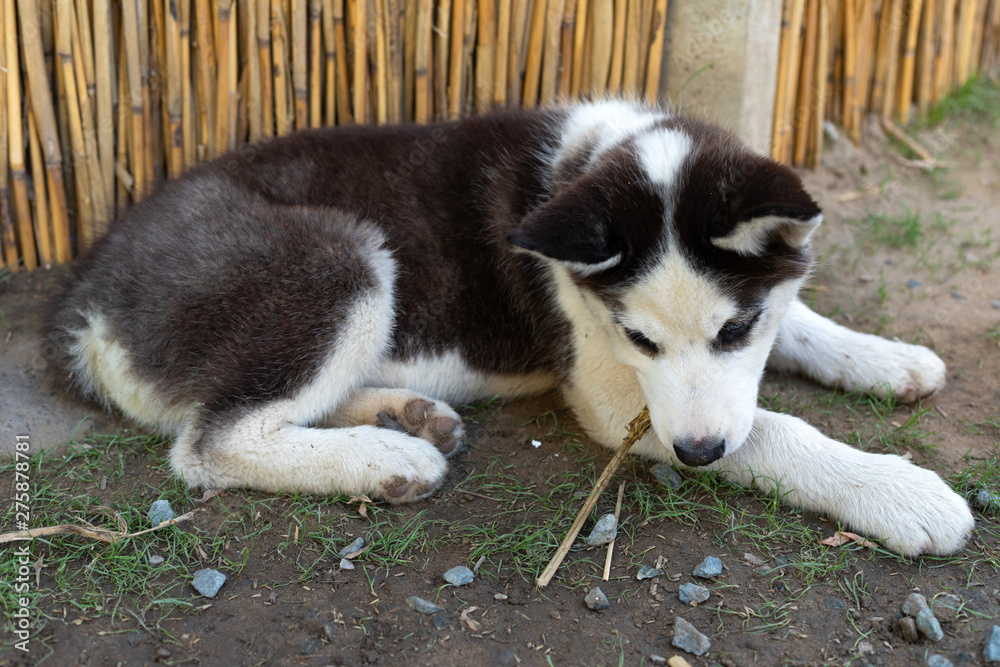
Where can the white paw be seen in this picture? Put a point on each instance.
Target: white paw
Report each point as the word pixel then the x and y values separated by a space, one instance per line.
pixel 910 510
pixel 888 368
pixel 408 469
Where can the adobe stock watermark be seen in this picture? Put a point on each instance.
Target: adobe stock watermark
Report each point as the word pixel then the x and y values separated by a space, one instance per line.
pixel 21 556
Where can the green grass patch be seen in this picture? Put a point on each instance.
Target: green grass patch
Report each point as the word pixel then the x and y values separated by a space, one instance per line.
pixel 975 101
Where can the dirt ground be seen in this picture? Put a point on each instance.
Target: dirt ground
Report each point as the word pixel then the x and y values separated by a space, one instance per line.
pixel 904 252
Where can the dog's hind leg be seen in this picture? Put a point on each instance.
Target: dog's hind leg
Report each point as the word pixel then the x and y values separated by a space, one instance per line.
pixel 416 414
pixel 912 510
pixel 275 445
pixel 835 356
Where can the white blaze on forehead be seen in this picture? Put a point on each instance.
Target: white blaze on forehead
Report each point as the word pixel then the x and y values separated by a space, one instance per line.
pixel 662 153
pixel 603 125
pixel 673 302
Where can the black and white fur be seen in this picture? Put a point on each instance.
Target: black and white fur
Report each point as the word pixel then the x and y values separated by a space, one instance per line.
pixel 273 309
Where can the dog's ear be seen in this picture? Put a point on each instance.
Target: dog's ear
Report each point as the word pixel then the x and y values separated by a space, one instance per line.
pixel 573 228
pixel 794 227
pixel 768 205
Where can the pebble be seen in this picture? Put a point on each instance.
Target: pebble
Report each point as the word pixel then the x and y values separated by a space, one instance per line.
pixel 353 548
pixel 208 582
pixel 156 560
pixel 657 659
pixel 307 647
pixel 499 596
pixel 830 131
pixel 678 661
pixel 986 500
pixel 422 605
pixel 667 477
pixel 596 600
pixel 754 560
pixel 865 278
pixel 938 660
pixel 330 631
pixel 907 629
pixel 159 512
pixel 929 626
pixel 687 638
pixel 346 564
pixel 995 304
pixel 647 572
pixel 957 295
pixel 439 621
pixel 459 576
pixel 913 284
pixel 914 604
pixel 692 594
pixel 604 532
pixel 991 647
pixel 709 568
pixel 946 607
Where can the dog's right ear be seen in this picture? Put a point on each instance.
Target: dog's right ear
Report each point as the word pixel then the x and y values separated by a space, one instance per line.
pixel 573 228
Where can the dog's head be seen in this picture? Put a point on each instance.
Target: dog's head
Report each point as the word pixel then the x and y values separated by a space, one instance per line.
pixel 686 248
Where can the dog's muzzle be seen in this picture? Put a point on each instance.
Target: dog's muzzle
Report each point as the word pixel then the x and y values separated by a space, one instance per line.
pixel 699 452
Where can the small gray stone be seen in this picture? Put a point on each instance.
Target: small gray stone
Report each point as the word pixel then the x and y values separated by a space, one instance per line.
pixel 596 600
pixel 330 631
pixel 208 582
pixel 307 646
pixel 159 512
pixel 604 532
pixel 687 638
pixel 667 477
pixel 991 647
pixel 946 607
pixel 156 560
pixel 938 660
pixel 500 596
pixel 709 568
pixel 657 659
pixel 955 294
pixel 422 605
pixel 913 284
pixel 346 564
pixel 459 576
pixel 830 131
pixel 985 500
pixel 929 626
pixel 353 548
pixel 692 594
pixel 440 622
pixel 914 604
pixel 907 629
pixel 647 572
pixel 995 304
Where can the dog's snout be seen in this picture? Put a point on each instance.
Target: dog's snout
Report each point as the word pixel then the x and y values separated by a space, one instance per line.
pixel 699 451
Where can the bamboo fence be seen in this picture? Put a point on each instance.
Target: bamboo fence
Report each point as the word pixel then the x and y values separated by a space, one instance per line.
pixel 100 99
pixel 841 60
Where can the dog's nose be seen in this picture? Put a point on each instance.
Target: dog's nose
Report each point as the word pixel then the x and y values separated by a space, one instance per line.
pixel 700 451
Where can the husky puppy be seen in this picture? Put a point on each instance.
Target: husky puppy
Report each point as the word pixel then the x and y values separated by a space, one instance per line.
pixel 273 309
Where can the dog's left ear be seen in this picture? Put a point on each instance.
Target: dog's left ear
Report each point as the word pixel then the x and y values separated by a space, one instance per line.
pixel 770 206
pixel 573 228
pixel 752 235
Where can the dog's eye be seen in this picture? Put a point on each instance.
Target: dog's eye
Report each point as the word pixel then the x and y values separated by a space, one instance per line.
pixel 643 343
pixel 733 333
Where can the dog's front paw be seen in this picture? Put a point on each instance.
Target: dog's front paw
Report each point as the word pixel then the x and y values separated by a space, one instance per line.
pixel 888 368
pixel 434 421
pixel 913 511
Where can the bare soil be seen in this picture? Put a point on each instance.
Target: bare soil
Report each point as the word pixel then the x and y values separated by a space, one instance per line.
pixel 781 599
